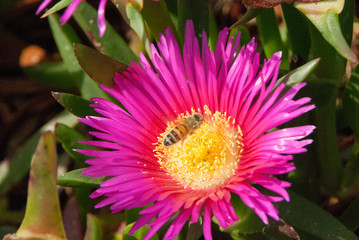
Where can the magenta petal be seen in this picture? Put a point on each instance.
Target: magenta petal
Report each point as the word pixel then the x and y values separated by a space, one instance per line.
pixel 207 222
pixel 42 6
pixel 69 11
pixel 175 82
pixel 101 21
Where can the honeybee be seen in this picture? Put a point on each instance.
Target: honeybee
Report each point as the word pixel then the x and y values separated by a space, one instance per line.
pixel 181 130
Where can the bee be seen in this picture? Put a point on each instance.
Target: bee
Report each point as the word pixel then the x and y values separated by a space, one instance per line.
pixel 181 130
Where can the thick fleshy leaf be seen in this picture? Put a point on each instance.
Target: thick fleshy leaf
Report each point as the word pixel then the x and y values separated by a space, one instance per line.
pixel 324 16
pixel 19 165
pixel 111 43
pixel 43 214
pixel 249 15
pixel 351 113
pixel 198 12
pixel 93 230
pixel 99 67
pixel 270 36
pixel 52 74
pixel 133 17
pixel 69 139
pixel 298 75
pixel 58 6
pixel 76 179
pixel 298 33
pixel 74 104
pixel 65 37
pixel 351 102
pixel 213 31
pixel 138 235
pixel 306 216
pixel 159 21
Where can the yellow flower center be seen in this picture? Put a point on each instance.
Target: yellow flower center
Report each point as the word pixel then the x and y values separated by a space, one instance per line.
pixel 206 157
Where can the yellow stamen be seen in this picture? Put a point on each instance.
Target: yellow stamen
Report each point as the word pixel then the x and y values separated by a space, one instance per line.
pixel 206 158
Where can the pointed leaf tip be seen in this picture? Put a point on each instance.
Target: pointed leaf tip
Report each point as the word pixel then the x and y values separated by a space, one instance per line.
pixel 43 215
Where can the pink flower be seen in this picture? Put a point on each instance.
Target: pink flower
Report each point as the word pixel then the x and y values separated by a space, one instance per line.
pixel 101 21
pixel 231 152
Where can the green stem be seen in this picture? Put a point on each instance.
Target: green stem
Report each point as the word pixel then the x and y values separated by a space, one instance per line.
pixel 329 74
pixel 330 166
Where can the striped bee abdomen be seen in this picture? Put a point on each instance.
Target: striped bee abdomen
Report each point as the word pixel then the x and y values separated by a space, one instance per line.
pixel 175 135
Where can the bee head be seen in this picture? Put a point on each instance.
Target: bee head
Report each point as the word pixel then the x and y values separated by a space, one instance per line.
pixel 198 117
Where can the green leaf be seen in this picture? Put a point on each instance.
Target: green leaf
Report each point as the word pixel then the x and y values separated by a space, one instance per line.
pixel 351 113
pixel 198 12
pixel 76 179
pixel 69 139
pixel 111 44
pixel 351 102
pixel 20 163
pixel 159 21
pixel 58 6
pixel 298 75
pixel 298 33
pixel 213 30
pixel 130 13
pixel 99 67
pixel 93 230
pixel 53 74
pixel 350 216
pixel 250 14
pixel 306 216
pixel 43 214
pixel 74 104
pixel 138 235
pixel 270 36
pixel 65 37
pixel 324 16
pixel 346 19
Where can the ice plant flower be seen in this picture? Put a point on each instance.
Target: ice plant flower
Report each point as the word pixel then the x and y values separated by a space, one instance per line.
pixel 231 152
pixel 101 21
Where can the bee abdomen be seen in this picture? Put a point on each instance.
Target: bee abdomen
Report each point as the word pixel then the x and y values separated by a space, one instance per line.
pixel 175 135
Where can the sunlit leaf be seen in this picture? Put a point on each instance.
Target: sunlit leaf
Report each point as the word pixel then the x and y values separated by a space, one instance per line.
pixel 43 214
pixel 99 67
pixel 324 16
pixel 111 44
pixel 76 179
pixel 58 6
pixel 133 17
